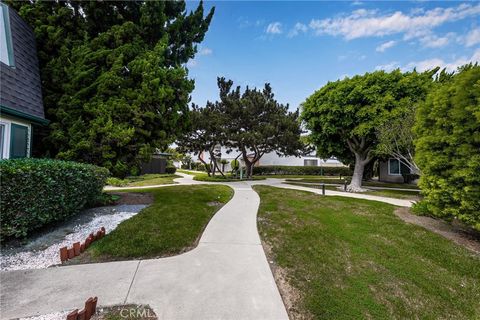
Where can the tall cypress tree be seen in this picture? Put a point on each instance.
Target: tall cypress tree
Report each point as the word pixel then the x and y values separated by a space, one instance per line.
pixel 114 79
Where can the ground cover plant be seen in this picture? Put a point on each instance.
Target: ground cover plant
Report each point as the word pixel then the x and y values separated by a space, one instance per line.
pixel 38 192
pixel 171 225
pixel 347 258
pixel 143 180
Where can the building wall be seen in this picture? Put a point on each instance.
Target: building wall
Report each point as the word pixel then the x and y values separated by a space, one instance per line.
pixel 270 159
pixel 20 81
pixel 384 176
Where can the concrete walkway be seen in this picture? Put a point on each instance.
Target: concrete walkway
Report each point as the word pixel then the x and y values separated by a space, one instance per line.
pixel 226 276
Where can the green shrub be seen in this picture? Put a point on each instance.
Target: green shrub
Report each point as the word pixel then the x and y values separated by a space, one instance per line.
pixel 170 169
pixel 36 192
pixel 303 170
pixel 235 164
pixel 116 182
pixel 448 148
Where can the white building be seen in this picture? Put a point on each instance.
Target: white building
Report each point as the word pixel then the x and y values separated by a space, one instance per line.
pixel 271 159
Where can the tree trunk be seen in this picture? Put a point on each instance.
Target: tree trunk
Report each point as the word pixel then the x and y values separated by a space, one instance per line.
pixel 360 162
pixel 205 164
pixel 214 167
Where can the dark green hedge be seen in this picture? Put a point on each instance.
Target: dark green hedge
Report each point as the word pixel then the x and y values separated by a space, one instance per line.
pixel 36 192
pixel 301 170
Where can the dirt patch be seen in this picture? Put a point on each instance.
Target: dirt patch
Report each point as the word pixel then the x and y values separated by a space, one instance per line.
pixel 214 204
pixel 134 198
pixel 291 296
pixel 127 312
pixel 452 231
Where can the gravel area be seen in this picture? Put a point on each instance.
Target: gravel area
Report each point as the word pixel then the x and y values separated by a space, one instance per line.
pixel 49 316
pixel 43 251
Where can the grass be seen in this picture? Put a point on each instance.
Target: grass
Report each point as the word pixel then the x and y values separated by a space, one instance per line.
pixel 171 225
pixel 348 258
pixel 127 312
pixel 336 180
pixel 203 176
pixel 143 180
pixel 397 194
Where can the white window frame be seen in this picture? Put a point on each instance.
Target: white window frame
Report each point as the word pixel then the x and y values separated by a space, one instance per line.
pixel 399 167
pixel 7 141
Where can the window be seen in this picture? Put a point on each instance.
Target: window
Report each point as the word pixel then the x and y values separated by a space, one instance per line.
pixel 394 167
pixel 2 139
pixel 19 141
pixel 6 49
pixel 310 162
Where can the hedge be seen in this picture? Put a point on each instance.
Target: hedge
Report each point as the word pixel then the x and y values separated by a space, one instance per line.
pixel 37 192
pixel 303 170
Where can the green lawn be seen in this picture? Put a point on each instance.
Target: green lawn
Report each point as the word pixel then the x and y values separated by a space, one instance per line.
pixel 203 176
pixel 397 194
pixel 171 225
pixel 143 180
pixel 354 259
pixel 336 180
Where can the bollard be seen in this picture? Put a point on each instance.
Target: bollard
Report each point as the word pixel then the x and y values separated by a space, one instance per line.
pixel 323 189
pixel 63 254
pixel 345 186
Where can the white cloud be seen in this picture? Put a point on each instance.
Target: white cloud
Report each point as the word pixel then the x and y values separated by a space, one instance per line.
pixel 298 28
pixel 205 52
pixel 473 37
pixel 274 28
pixel 388 67
pixel 357 3
pixel 369 23
pixel 437 62
pixel 192 63
pixel 385 46
pixel 433 41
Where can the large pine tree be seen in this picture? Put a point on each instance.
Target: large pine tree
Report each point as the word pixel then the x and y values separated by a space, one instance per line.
pixel 114 79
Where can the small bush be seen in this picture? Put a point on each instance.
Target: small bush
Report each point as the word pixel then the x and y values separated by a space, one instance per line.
pixel 36 192
pixel 170 169
pixel 301 170
pixel 116 182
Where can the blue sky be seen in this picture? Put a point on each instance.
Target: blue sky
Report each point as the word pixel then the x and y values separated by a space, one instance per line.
pixel 299 46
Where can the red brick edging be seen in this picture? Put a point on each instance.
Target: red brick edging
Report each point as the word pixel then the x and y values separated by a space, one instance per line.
pixel 86 313
pixel 78 248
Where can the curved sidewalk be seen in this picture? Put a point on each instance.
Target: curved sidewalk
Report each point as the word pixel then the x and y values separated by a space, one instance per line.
pixel 226 276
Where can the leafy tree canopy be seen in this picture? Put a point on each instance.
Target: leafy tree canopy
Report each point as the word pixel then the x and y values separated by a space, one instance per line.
pixel 343 116
pixel 256 123
pixel 113 75
pixel 448 147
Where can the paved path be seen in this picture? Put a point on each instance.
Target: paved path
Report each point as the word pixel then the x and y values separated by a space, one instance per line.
pixel 226 276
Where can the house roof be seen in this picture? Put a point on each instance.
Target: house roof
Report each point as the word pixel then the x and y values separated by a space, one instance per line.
pixel 21 92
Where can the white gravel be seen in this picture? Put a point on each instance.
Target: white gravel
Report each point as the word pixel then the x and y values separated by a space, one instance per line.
pixel 40 259
pixel 49 316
